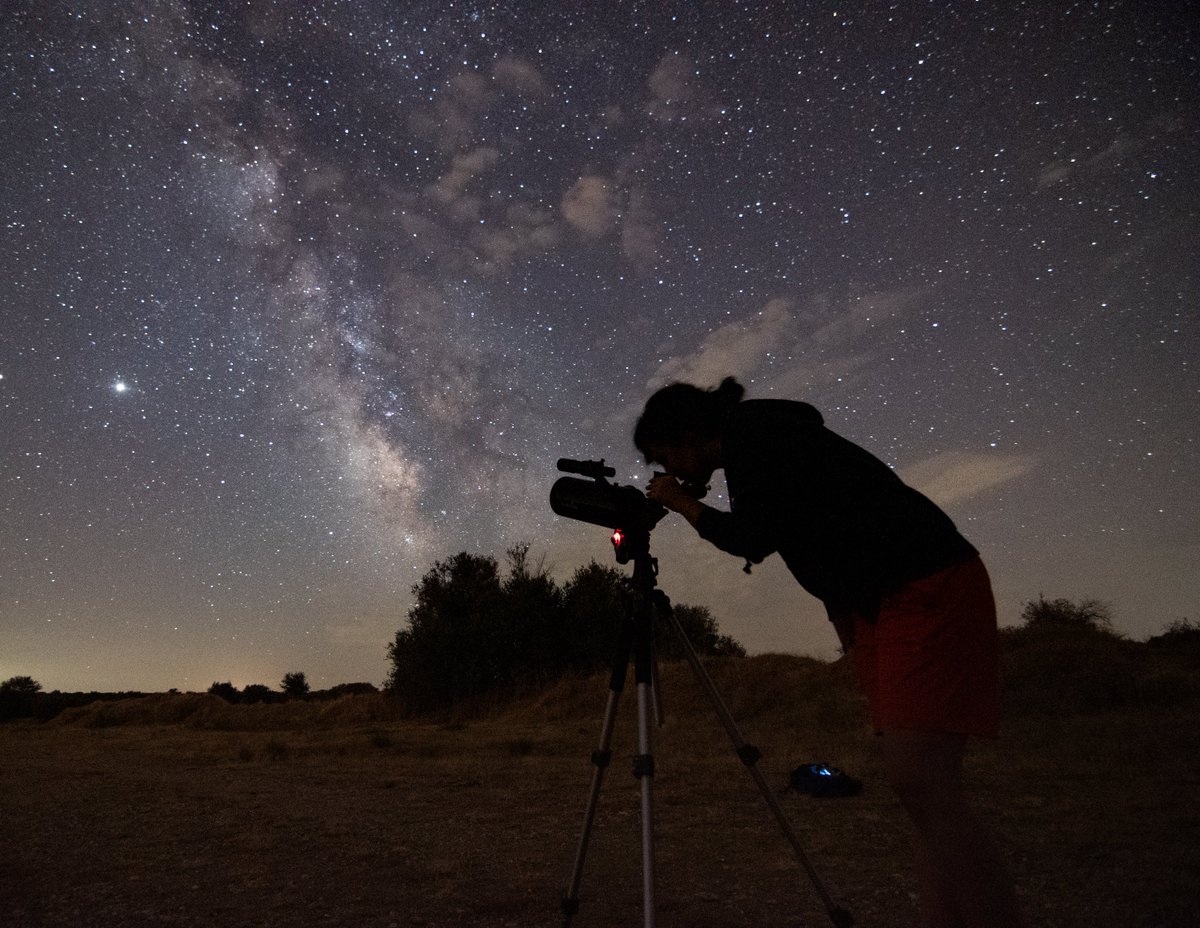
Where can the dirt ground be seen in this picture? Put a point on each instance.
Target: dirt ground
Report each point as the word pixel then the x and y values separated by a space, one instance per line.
pixel 477 824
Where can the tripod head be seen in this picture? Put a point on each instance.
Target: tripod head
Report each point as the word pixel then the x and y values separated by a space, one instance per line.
pixel 624 509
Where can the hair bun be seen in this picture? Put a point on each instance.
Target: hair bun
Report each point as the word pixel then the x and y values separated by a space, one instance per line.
pixel 730 391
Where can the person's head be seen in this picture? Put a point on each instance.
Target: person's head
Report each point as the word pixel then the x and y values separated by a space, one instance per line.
pixel 680 428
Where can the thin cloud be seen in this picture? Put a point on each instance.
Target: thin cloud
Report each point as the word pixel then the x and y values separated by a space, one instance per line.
pixel 450 190
pixel 463 169
pixel 452 122
pixel 527 230
pixel 673 80
pixel 952 477
pixel 677 94
pixel 470 91
pixel 590 206
pixel 640 238
pixel 518 75
pixel 793 346
pixel 838 327
pixel 1120 149
pixel 739 348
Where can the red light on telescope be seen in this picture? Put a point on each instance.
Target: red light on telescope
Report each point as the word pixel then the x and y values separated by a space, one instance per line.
pixel 618 540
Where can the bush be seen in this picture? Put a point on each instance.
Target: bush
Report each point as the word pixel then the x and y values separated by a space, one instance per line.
pixel 339 690
pixel 1089 615
pixel 1181 639
pixel 452 647
pixel 1067 658
pixel 17 697
pixel 294 685
pixel 257 692
pixel 472 631
pixel 226 691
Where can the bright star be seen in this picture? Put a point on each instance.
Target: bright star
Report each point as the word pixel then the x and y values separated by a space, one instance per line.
pixel 120 386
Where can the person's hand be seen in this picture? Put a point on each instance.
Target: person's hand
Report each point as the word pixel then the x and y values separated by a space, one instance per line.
pixel 666 490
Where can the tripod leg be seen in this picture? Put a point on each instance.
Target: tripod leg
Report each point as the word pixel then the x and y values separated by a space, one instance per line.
pixel 643 764
pixel 749 755
pixel 643 769
pixel 600 759
pixel 659 712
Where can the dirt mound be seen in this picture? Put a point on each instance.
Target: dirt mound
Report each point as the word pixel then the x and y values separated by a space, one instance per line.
pixel 193 710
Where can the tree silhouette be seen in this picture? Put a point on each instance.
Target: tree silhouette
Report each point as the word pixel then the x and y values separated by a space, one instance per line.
pixel 226 691
pixel 530 610
pixel 1181 637
pixel 345 689
pixel 471 630
pixel 257 692
pixel 1066 657
pixel 20 686
pixel 17 697
pixel 453 646
pixel 700 628
pixel 294 685
pixel 595 600
pixel 1048 615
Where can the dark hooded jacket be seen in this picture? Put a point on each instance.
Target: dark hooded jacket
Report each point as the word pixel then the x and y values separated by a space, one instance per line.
pixel 847 527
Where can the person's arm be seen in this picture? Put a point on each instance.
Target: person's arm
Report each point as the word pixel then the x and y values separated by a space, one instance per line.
pixel 738 533
pixel 668 491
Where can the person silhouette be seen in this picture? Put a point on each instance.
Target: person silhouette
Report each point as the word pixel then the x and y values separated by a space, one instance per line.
pixel 908 595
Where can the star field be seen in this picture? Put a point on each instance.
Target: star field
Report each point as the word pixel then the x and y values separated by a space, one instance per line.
pixel 298 298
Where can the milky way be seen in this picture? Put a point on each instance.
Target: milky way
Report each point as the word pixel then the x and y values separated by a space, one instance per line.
pixel 299 298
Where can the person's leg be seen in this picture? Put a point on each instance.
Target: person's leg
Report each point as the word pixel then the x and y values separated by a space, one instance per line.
pixel 963 883
pixel 929 665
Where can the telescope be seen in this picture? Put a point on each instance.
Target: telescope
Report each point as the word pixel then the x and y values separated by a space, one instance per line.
pixel 624 509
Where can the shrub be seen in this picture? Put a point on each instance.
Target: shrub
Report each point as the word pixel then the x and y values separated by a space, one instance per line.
pixel 1181 638
pixel 1067 658
pixel 294 685
pixel 226 691
pixel 17 697
pixel 472 631
pixel 1042 614
pixel 257 692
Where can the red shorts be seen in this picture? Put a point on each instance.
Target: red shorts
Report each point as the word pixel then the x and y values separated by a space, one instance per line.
pixel 931 662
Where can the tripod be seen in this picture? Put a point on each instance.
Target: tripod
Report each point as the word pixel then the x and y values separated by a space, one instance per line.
pixel 637 640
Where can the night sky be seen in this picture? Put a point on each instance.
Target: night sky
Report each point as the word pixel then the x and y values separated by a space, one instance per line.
pixel 300 297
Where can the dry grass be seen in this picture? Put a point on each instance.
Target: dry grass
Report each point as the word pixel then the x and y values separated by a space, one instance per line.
pixel 186 811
